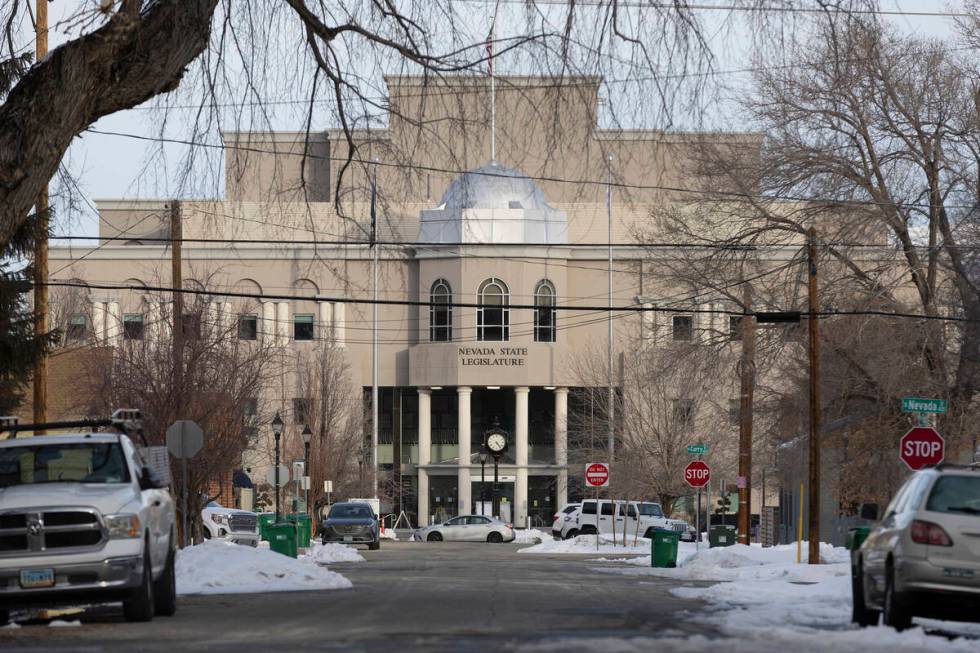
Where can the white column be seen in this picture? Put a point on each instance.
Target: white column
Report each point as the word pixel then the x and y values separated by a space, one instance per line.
pixel 463 437
pixel 425 450
pixel 268 326
pixel 113 330
pixel 98 321
pixel 339 327
pixel 282 322
pixel 325 328
pixel 561 446
pixel 520 455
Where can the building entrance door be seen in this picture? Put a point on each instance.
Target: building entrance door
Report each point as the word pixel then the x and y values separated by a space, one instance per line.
pixel 482 494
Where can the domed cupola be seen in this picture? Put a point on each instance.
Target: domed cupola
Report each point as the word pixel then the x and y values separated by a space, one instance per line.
pixel 494 204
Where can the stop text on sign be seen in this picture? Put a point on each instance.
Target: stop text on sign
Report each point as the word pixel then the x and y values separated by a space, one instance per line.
pixel 922 447
pixel 597 474
pixel 697 474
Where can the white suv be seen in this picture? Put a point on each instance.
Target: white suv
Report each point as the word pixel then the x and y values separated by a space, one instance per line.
pixel 922 559
pixel 602 516
pixel 562 517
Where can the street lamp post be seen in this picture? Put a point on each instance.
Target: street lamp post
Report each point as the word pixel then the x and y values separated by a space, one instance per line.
pixel 307 435
pixel 483 478
pixel 277 432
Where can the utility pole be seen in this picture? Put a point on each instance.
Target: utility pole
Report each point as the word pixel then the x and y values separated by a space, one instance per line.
pixel 611 412
pixel 177 284
pixel 814 494
pixel 747 373
pixel 41 253
pixel 374 332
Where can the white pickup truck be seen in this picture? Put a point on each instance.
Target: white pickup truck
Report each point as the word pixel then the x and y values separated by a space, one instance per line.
pixel 84 520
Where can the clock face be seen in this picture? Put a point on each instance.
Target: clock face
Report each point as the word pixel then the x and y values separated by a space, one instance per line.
pixel 496 442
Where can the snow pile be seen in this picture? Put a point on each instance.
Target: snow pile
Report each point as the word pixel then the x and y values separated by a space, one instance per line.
pixel 323 554
pixel 587 544
pixel 389 534
pixel 219 567
pixel 531 536
pixel 61 623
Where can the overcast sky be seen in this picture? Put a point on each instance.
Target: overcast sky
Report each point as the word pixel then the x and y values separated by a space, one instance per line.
pixel 117 167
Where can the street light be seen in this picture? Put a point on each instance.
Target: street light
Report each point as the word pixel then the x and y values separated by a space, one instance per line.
pixel 277 432
pixel 307 435
pixel 483 478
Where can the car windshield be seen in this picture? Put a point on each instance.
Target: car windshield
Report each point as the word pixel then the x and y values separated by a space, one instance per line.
pixel 84 462
pixel 957 494
pixel 350 511
pixel 651 510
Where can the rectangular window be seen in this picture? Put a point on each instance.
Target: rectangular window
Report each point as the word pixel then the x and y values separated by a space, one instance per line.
pixel 683 327
pixel 607 508
pixel 250 408
pixel 248 327
pixel 77 328
pixel 303 327
pixel 683 412
pixel 734 327
pixel 588 508
pixel 302 409
pixel 133 327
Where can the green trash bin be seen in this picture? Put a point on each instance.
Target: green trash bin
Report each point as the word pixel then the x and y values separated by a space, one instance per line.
pixel 266 519
pixel 664 548
pixel 856 537
pixel 282 538
pixel 304 528
pixel 721 535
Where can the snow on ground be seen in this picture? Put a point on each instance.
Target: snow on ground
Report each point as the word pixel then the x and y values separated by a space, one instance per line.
pixel 219 567
pixel 587 544
pixel 61 623
pixel 323 554
pixel 531 536
pixel 389 534
pixel 769 602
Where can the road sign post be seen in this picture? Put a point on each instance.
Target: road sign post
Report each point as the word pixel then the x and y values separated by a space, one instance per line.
pixel 184 440
pixel 597 476
pixel 922 447
pixel 697 474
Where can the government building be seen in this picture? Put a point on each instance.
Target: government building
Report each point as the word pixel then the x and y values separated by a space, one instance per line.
pixel 493 274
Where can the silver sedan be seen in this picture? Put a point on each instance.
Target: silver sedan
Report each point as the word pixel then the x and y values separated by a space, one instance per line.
pixel 468 528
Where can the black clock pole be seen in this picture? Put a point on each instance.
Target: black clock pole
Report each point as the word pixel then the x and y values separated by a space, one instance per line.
pixel 496 490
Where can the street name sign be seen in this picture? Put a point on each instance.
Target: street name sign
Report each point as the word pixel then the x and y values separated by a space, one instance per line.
pixel 597 474
pixel 920 405
pixel 697 449
pixel 922 447
pixel 697 473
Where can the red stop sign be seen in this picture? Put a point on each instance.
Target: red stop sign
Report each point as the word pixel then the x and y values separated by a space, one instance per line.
pixel 697 473
pixel 922 447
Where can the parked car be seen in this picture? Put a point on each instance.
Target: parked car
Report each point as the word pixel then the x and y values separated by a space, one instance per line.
pixel 351 522
pixel 643 517
pixel 922 559
pixel 563 515
pixel 84 520
pixel 238 526
pixel 467 528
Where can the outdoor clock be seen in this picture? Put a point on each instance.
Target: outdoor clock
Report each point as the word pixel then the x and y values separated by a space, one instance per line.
pixel 496 443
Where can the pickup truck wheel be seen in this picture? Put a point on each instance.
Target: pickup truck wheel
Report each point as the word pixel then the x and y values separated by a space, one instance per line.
pixel 139 606
pixel 165 589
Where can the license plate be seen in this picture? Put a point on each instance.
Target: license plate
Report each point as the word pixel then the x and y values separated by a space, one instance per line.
pixel 958 573
pixel 348 538
pixel 32 578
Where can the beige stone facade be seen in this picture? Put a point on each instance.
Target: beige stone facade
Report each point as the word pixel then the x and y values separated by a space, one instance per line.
pixel 531 223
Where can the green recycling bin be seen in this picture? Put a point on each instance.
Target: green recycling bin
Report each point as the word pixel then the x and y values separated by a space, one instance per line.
pixel 856 537
pixel 282 538
pixel 664 548
pixel 721 535
pixel 304 528
pixel 266 519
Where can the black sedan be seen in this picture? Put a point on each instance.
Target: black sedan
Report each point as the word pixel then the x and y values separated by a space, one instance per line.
pixel 351 523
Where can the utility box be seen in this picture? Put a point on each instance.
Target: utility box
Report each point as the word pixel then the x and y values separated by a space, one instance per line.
pixel 721 535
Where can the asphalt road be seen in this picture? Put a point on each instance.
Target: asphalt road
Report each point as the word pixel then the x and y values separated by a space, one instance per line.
pixel 406 597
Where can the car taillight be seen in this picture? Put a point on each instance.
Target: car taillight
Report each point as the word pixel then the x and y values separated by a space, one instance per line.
pixel 555 518
pixel 510 526
pixel 925 532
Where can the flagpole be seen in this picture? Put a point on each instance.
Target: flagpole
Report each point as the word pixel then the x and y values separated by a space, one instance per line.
pixel 493 96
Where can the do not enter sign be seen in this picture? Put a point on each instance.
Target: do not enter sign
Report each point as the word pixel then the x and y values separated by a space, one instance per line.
pixel 922 447
pixel 697 473
pixel 597 474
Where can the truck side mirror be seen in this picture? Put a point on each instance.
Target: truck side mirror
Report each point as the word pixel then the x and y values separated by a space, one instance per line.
pixel 149 480
pixel 869 511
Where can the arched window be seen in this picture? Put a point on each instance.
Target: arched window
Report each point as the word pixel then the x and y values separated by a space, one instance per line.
pixel 441 312
pixel 493 316
pixel 544 312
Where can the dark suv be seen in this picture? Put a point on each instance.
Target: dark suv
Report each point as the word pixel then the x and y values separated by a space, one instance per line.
pixel 351 523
